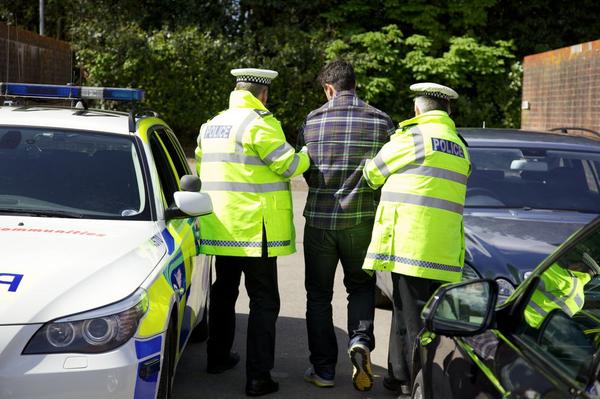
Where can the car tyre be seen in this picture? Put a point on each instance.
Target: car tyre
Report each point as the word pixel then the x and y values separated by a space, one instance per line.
pixel 165 385
pixel 417 389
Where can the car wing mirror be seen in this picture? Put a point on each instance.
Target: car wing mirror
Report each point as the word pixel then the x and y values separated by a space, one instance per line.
pixel 190 183
pixel 189 202
pixel 462 309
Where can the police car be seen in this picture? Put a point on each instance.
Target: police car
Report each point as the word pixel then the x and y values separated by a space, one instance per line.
pixel 101 282
pixel 543 342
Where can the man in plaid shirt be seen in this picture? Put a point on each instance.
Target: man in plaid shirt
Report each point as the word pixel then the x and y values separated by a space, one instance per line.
pixel 339 212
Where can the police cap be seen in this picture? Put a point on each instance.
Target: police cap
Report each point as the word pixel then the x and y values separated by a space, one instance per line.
pixel 253 75
pixel 434 90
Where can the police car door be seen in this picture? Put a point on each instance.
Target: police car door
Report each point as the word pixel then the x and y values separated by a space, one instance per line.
pixel 181 235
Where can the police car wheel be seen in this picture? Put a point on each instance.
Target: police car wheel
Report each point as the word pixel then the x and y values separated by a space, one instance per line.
pixel 166 375
pixel 417 390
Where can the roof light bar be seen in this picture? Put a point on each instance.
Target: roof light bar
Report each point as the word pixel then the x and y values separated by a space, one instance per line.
pixel 70 92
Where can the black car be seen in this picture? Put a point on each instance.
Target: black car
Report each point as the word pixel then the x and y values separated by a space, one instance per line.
pixel 543 342
pixel 528 191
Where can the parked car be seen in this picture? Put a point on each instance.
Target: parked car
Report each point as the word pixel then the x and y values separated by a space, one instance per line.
pixel 543 342
pixel 101 282
pixel 528 191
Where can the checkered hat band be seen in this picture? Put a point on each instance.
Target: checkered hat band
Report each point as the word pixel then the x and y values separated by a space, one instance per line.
pixel 254 79
pixel 434 94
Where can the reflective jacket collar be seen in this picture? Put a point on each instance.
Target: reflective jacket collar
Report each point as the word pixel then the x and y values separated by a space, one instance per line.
pixel 244 99
pixel 430 117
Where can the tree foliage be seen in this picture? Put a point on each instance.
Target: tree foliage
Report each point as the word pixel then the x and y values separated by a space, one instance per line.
pixel 486 76
pixel 180 51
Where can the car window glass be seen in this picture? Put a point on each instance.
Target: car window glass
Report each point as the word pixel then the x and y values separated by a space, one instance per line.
pixel 168 180
pixel 562 317
pixel 467 305
pixel 534 178
pixel 175 152
pixel 86 174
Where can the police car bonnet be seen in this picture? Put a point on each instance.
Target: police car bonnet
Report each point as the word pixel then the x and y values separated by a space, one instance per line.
pixel 434 90
pixel 253 75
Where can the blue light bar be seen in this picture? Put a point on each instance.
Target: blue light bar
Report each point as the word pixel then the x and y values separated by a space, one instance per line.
pixel 70 92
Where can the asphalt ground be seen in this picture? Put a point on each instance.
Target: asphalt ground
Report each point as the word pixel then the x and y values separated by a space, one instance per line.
pixel 291 353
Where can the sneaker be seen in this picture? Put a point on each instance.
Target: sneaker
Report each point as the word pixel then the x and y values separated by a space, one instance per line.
pixel 310 375
pixel 362 377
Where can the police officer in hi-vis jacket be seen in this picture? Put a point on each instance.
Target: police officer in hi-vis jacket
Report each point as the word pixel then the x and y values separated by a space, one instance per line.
pixel 245 165
pixel 418 231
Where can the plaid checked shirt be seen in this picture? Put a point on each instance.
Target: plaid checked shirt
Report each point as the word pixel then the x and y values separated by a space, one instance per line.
pixel 340 136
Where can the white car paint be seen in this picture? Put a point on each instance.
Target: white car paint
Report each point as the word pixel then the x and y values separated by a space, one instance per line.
pixel 71 265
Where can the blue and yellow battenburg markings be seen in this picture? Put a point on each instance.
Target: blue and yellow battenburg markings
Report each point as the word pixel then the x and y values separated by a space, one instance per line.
pixel 148 354
pixel 174 279
pixel 169 240
pixel 175 273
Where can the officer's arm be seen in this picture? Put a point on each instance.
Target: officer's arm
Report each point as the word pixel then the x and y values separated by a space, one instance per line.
pixel 301 145
pixel 269 142
pixel 198 157
pixel 300 142
pixel 393 156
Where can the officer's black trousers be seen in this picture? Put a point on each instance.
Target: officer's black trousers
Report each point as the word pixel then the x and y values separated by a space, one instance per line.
pixel 410 295
pixel 260 276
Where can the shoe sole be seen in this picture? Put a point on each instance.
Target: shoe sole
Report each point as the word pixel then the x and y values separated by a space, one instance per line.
pixel 362 377
pixel 318 383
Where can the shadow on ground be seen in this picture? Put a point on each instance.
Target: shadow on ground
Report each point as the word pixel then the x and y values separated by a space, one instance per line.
pixel 291 360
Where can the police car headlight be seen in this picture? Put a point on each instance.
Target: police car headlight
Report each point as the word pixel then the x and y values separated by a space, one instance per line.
pixel 60 335
pixel 100 330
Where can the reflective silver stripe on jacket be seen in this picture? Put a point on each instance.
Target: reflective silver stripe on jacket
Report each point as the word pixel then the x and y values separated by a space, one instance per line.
pixel 245 187
pixel 559 301
pixel 537 309
pixel 383 169
pixel 293 166
pixel 239 135
pixel 414 262
pixel 231 157
pixel 250 244
pixel 422 200
pixel 419 144
pixel 277 152
pixel 579 300
pixel 433 171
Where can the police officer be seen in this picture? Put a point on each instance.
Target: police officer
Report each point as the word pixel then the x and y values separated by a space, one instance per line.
pixel 245 165
pixel 418 232
pixel 561 288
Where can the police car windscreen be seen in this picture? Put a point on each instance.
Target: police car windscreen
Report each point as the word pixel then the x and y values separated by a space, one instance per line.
pixel 56 172
pixel 534 178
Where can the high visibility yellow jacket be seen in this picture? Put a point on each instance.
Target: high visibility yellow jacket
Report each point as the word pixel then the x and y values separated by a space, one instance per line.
pixel 559 288
pixel 245 165
pixel 418 227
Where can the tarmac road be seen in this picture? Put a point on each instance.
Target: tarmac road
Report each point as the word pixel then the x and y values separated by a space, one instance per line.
pixel 291 355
